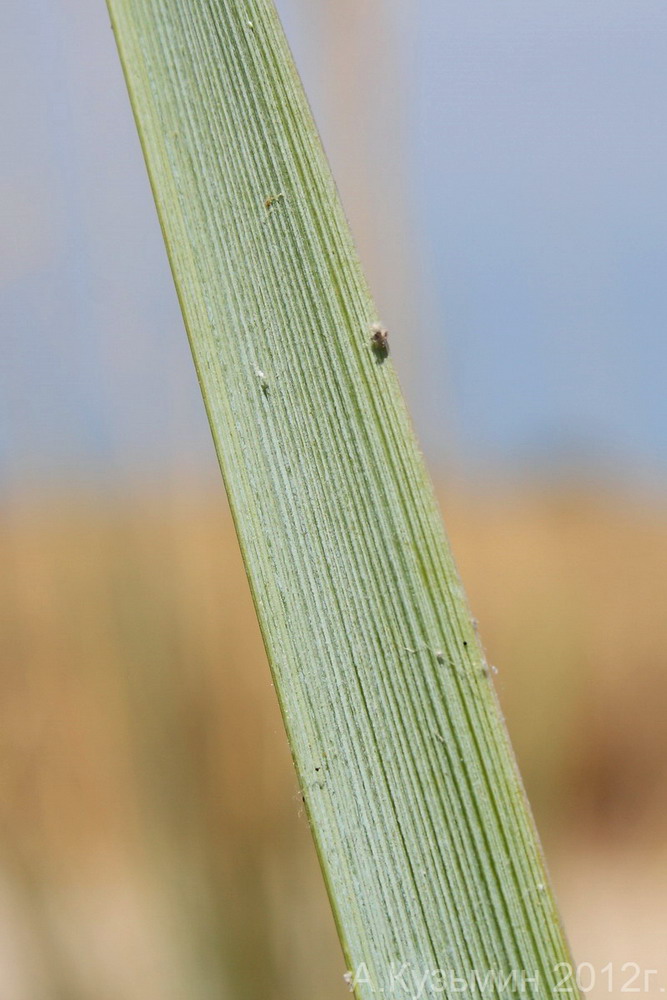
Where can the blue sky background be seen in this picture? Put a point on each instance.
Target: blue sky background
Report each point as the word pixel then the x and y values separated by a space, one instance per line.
pixel 541 148
pixel 507 161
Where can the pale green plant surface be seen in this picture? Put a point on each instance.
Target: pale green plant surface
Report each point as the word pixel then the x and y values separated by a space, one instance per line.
pixel 425 839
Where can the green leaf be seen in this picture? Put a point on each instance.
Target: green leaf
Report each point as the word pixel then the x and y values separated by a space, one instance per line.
pixel 425 839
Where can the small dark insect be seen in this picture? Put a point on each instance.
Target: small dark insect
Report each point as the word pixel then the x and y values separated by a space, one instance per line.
pixel 272 200
pixel 379 338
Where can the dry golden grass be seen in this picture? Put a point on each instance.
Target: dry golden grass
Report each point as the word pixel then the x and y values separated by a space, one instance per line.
pixel 152 842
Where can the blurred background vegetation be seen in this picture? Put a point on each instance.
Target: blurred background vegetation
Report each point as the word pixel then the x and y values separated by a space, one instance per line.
pixel 152 843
